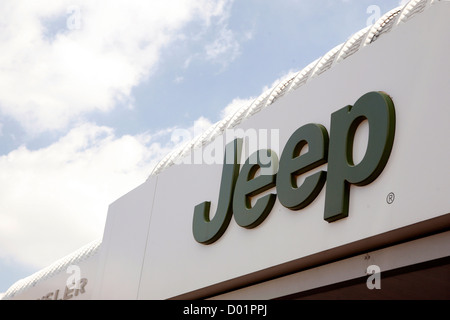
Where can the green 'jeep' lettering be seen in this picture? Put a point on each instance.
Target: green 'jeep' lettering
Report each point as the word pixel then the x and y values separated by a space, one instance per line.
pixel 236 187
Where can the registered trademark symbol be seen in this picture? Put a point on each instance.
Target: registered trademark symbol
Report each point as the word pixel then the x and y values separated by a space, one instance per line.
pixel 390 197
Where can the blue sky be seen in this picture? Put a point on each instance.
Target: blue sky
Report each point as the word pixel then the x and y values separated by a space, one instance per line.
pixel 91 92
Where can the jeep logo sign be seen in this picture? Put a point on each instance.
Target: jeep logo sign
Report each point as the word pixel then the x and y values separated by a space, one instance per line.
pixel 236 187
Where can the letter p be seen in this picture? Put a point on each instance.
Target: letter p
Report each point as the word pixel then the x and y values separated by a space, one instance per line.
pixel 378 109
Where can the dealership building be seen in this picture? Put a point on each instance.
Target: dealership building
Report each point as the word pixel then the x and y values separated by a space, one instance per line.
pixel 334 184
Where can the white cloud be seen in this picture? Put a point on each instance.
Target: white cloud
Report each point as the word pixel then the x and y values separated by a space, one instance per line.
pixel 55 199
pixel 223 45
pixel 238 103
pixel 224 49
pixel 178 79
pixel 58 64
pixel 403 2
pixel 234 106
pixel 288 75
